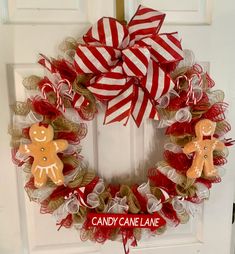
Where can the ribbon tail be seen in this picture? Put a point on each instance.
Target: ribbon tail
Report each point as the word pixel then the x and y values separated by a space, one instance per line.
pixel 119 109
pixel 143 108
pixel 157 82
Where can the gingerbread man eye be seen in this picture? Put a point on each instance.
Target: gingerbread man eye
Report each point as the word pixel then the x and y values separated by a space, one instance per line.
pixel 35 132
pixel 42 132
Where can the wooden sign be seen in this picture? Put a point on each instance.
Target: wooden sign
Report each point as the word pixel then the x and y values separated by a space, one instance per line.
pixel 152 221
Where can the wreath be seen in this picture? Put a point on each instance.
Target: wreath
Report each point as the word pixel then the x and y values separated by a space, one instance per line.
pixel 138 73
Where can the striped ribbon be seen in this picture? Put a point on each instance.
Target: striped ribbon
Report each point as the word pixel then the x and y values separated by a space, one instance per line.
pixel 128 63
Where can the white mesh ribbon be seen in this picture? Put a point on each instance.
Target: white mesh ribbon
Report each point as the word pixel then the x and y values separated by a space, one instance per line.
pixel 144 189
pixel 72 115
pixel 192 208
pixel 118 205
pixel 181 116
pixel 178 205
pixel 42 193
pixel 21 157
pixel 170 173
pixel 22 122
pixel 70 206
pixel 173 148
pixel 93 197
pixel 175 177
pixel 202 191
pixel 153 204
pixel 72 149
pixel 188 60
pixel 164 101
pixel 72 175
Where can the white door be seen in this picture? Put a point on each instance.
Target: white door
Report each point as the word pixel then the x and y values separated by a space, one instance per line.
pixel 31 27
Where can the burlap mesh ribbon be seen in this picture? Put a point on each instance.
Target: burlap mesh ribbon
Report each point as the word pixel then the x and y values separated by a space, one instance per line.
pixel 186 188
pixel 83 178
pixel 21 108
pixel 31 82
pixel 133 203
pixel 55 203
pixel 104 199
pixel 81 215
pixel 79 87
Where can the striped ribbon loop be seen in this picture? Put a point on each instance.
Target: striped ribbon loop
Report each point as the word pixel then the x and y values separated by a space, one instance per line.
pixel 129 63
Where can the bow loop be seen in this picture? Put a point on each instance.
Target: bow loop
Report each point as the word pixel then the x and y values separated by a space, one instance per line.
pixel 135 61
pixel 144 23
pixel 165 48
pixel 109 32
pixel 95 59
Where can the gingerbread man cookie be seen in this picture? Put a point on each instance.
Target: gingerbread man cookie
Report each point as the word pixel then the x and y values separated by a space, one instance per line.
pixel 203 150
pixel 44 151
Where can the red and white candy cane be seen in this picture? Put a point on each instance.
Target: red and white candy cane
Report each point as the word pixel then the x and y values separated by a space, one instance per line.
pixel 59 102
pixel 196 72
pixel 65 83
pixel 57 89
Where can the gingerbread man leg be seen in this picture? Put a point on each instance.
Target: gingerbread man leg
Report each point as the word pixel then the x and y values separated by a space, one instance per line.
pixel 209 169
pixel 40 176
pixel 55 173
pixel 196 168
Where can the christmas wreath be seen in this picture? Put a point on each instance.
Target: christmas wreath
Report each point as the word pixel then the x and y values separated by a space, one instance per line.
pixel 138 73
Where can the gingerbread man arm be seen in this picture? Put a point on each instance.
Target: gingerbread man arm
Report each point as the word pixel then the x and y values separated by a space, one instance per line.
pixel 60 145
pixel 219 146
pixel 189 148
pixel 25 149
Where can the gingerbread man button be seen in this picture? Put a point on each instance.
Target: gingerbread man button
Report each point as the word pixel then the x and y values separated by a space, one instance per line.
pixel 203 150
pixel 44 151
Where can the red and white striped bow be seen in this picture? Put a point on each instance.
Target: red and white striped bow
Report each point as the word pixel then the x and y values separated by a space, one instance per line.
pixel 129 63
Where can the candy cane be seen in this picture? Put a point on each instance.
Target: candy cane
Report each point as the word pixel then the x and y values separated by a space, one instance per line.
pixel 57 91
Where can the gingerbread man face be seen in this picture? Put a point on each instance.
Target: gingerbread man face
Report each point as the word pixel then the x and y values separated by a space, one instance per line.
pixel 203 150
pixel 205 127
pixel 44 151
pixel 39 133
